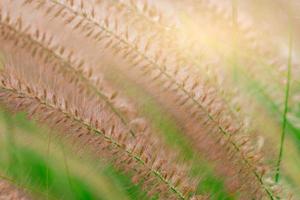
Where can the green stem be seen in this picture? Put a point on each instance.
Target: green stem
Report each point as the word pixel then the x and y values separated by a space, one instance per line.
pixel 47 168
pixel 284 117
pixel 67 170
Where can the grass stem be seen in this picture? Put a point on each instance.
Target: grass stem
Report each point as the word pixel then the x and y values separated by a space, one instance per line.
pixel 284 115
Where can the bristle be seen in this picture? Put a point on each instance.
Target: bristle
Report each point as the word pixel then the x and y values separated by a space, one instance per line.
pixel 9 191
pixel 60 65
pixel 136 150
